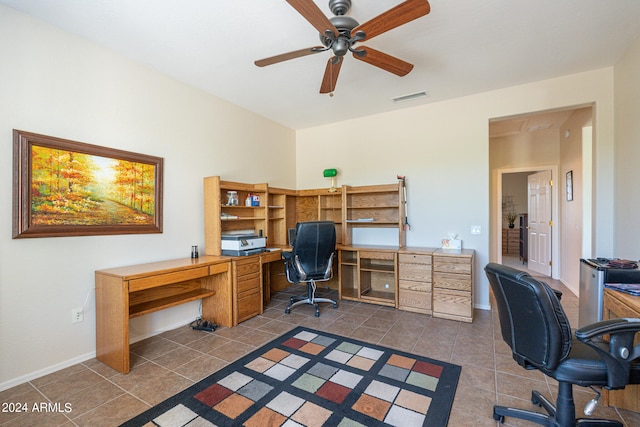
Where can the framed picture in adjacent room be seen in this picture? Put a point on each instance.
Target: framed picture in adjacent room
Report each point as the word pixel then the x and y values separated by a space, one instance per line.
pixel 69 188
pixel 569 186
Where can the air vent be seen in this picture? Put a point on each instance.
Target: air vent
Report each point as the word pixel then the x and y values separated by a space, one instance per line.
pixel 411 96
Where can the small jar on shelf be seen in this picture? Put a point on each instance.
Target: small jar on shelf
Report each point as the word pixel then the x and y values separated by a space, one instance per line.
pixel 232 198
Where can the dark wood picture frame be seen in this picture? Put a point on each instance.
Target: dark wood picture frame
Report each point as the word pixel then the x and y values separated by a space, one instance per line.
pixel 69 188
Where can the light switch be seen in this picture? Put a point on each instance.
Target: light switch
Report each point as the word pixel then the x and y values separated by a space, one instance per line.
pixel 475 229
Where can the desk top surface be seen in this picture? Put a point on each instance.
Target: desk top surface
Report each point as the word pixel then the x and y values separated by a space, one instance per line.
pixel 165 266
pixel 631 300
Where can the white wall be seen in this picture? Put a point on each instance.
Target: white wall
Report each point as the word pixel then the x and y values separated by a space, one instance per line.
pixel 572 223
pixel 627 128
pixel 57 84
pixel 443 149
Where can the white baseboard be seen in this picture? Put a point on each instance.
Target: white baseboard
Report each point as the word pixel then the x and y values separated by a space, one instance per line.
pixel 46 371
pixel 482 306
pixel 83 358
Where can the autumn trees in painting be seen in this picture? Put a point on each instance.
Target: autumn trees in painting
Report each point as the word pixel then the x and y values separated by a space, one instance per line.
pixel 69 187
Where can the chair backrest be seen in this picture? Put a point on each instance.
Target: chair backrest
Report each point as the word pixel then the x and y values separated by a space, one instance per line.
pixel 532 320
pixel 313 250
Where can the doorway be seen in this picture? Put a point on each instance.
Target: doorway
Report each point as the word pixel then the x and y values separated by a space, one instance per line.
pixel 534 142
pixel 512 196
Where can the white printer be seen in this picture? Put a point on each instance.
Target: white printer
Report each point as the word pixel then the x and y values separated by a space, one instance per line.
pixel 242 243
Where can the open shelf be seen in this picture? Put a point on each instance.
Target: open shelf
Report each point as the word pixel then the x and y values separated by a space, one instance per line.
pixel 166 302
pixel 379 297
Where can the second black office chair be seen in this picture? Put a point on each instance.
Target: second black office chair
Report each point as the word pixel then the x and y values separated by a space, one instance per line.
pixel 311 260
pixel 536 328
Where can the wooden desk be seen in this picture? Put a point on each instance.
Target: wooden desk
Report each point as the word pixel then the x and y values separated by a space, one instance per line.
pixel 127 292
pixel 619 305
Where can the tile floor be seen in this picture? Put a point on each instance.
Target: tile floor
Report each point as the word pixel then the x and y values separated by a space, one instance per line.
pixel 92 394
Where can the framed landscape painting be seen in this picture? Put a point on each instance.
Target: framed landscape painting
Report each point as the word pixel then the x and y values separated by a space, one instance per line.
pixel 69 188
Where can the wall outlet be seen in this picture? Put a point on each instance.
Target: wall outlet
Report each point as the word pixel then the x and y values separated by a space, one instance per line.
pixel 77 315
pixel 475 229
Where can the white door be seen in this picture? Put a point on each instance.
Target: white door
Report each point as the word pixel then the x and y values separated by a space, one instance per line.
pixel 539 192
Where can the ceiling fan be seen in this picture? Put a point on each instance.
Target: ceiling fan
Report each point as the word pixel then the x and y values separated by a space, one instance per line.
pixel 340 34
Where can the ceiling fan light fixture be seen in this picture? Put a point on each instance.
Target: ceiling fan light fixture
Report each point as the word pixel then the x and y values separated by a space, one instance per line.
pixel 411 96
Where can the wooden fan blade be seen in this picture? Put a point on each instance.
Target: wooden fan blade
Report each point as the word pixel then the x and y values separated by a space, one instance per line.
pixel 312 13
pixel 394 17
pixel 331 75
pixel 287 56
pixel 386 62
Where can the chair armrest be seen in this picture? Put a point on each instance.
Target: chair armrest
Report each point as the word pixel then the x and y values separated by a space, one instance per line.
pixel 608 327
pixel 286 255
pixel 619 352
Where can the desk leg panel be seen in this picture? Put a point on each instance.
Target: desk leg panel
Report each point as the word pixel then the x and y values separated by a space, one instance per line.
pixel 219 307
pixel 112 322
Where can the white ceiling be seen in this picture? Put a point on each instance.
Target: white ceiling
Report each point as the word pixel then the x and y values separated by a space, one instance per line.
pixel 529 123
pixel 462 47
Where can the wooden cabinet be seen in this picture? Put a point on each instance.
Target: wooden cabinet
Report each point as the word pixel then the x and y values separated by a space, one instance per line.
pixel 369 274
pixel 621 305
pixel 510 241
pixel 453 285
pixel 247 288
pixel 127 292
pixel 414 280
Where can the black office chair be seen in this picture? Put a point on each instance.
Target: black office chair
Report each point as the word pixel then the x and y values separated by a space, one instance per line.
pixel 536 328
pixel 311 260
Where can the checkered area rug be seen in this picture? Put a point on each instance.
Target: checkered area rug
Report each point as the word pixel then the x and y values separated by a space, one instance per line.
pixel 312 378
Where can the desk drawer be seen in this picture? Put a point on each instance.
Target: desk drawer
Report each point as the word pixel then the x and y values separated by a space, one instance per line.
pixel 452 264
pixel 246 267
pixel 268 257
pixel 418 272
pixel 458 282
pixel 376 255
pixel 249 283
pixel 414 259
pixel 453 303
pixel 249 305
pixel 167 278
pixel 417 300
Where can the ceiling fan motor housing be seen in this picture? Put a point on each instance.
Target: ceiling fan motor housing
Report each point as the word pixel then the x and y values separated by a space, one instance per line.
pixel 339 7
pixel 341 44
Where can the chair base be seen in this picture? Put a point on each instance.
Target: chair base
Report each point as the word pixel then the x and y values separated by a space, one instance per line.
pixel 566 418
pixel 309 299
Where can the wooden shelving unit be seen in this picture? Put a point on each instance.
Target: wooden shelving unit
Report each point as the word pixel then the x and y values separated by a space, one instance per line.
pixel 320 205
pixel 372 206
pixel 421 280
pixel 282 215
pixel 221 217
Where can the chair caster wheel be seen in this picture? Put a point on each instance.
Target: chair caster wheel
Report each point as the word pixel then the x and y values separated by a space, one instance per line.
pixel 287 310
pixel 317 314
pixel 335 305
pixel 499 418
